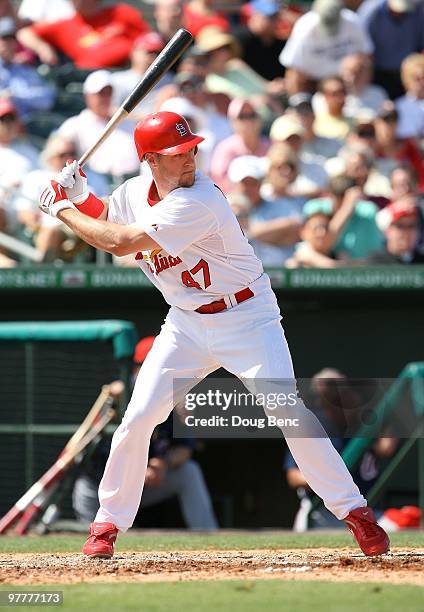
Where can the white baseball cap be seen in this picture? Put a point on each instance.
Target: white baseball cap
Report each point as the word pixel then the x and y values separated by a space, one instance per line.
pixel 96 81
pixel 284 127
pixel 247 166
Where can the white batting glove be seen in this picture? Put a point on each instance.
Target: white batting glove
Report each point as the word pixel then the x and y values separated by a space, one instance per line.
pixel 53 199
pixel 72 177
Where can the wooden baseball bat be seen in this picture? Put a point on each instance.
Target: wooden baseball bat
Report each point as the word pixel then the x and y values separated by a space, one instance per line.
pixel 166 58
pixel 103 404
pixel 34 503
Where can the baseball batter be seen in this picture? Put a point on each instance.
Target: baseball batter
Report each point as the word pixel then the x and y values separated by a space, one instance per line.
pixel 223 312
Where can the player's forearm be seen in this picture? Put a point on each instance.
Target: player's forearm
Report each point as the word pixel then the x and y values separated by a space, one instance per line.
pixel 110 237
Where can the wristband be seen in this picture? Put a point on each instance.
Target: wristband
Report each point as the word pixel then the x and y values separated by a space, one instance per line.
pixel 92 206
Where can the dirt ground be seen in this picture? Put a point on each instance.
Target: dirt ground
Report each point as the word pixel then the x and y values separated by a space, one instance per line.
pixel 398 567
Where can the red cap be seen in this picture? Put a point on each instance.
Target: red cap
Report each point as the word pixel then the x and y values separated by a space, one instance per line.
pixel 142 348
pixel 150 41
pixel 165 133
pixel 6 107
pixel 395 211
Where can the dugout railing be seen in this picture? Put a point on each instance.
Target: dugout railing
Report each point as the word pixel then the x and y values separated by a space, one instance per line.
pixel 411 382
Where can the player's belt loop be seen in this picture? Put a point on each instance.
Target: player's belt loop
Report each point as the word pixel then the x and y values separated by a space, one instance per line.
pixel 228 301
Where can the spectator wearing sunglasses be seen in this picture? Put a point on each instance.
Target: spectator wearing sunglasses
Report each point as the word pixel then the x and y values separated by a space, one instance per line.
pixel 331 119
pixel 246 140
pixel 400 223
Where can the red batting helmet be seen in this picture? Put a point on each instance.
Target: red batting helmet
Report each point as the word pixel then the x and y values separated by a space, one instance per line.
pixel 165 133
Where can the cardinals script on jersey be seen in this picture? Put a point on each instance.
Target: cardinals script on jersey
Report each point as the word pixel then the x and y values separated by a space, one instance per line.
pixel 204 255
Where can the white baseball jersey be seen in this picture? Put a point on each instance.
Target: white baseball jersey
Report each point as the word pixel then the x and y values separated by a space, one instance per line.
pixel 204 254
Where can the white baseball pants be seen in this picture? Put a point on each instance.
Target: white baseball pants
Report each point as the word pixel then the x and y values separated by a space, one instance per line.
pixel 246 340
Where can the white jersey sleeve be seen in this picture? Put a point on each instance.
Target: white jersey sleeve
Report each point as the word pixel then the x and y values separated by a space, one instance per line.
pixel 118 209
pixel 178 222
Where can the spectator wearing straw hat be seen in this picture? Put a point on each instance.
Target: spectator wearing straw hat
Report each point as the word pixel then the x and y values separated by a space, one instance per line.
pixel 229 74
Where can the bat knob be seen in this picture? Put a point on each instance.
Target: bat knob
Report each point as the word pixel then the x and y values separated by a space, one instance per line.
pixel 116 388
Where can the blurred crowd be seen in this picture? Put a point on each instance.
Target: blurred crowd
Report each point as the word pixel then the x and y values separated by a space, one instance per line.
pixel 313 117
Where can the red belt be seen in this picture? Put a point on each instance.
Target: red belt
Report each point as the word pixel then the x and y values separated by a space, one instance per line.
pixel 219 305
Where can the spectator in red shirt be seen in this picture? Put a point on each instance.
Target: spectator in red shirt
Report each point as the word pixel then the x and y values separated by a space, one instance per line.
pixel 94 37
pixel 199 14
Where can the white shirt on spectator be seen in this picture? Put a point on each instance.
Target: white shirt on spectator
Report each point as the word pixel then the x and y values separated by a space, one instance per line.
pixel 411 117
pixel 117 155
pixel 269 210
pixel 371 99
pixel 16 160
pixel 313 51
pixel 45 10
pixel 311 178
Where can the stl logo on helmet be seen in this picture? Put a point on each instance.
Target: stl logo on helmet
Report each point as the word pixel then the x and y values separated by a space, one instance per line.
pixel 181 129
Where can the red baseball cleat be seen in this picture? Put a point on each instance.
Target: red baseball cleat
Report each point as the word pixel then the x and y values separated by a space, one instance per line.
pixel 99 544
pixel 372 538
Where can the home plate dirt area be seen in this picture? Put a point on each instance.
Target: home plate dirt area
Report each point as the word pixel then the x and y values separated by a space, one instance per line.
pixel 400 566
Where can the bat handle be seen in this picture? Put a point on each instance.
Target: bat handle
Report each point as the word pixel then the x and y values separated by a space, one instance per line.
pixel 113 122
